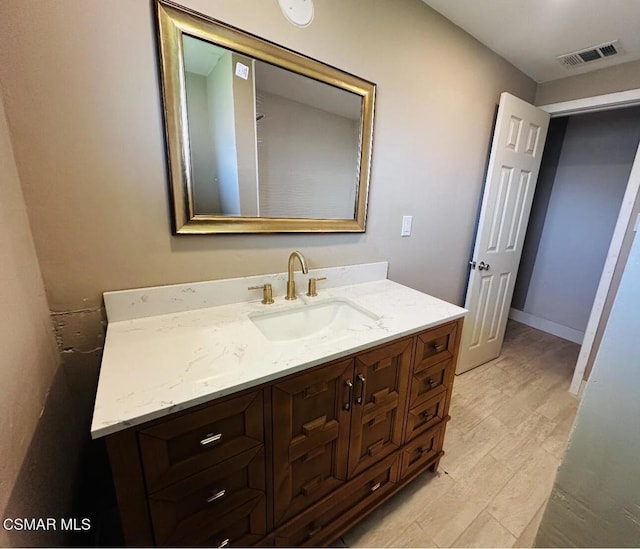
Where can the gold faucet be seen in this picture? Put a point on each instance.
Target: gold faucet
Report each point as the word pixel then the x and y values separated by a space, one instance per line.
pixel 291 284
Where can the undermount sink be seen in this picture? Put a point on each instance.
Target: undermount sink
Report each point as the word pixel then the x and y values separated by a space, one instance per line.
pixel 333 317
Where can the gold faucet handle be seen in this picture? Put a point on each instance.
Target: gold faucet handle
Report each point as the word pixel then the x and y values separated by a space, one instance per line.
pixel 267 293
pixel 313 289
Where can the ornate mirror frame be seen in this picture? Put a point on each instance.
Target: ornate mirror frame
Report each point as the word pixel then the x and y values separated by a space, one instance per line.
pixel 172 22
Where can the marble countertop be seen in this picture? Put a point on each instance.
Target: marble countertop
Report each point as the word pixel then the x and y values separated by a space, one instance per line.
pixel 155 366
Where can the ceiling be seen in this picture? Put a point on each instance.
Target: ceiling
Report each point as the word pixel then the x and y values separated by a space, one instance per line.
pixel 531 34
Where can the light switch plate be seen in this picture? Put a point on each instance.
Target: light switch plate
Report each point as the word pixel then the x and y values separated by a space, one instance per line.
pixel 406 225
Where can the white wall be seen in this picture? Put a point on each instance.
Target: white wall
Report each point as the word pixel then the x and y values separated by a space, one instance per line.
pixel 595 501
pixel 590 180
pixel 205 192
pixel 223 126
pixel 244 106
pixel 307 159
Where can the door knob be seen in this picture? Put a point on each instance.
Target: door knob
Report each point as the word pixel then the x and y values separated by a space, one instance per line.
pixel 482 266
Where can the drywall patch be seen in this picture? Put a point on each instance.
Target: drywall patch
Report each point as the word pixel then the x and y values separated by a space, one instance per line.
pixel 80 331
pixel 80 338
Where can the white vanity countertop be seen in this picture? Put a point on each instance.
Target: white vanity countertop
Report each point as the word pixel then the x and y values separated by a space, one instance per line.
pixel 154 366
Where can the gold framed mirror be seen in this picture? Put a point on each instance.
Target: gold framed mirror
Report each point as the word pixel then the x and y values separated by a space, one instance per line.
pixel 260 139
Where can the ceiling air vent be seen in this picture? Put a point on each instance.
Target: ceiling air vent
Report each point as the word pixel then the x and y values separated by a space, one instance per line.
pixel 608 49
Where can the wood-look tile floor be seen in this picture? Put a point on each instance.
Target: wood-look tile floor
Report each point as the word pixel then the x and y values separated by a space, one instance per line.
pixel 510 421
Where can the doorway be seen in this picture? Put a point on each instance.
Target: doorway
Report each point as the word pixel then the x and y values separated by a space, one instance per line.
pixel 581 211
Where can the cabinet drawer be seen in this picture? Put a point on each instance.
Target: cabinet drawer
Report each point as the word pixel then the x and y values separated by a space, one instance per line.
pixel 431 381
pixel 435 345
pixel 236 531
pixel 228 499
pixel 321 524
pixel 426 415
pixel 176 448
pixel 422 450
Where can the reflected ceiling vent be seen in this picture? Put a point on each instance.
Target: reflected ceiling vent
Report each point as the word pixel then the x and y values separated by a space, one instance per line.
pixel 608 49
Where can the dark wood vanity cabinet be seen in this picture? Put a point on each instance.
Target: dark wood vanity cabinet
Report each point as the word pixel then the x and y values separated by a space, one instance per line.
pixel 295 462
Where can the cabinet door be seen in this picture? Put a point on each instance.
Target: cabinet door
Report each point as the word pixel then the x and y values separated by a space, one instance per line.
pixel 310 436
pixel 380 396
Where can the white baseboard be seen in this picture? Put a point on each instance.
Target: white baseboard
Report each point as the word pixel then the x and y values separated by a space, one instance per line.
pixel 547 326
pixel 583 384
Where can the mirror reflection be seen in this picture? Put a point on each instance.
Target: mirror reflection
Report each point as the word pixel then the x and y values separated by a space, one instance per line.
pixel 266 141
pixel 259 138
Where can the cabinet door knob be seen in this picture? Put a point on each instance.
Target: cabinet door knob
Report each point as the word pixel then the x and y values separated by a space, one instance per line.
pixel 210 439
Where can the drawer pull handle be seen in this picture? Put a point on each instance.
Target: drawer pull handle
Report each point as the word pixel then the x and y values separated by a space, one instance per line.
pixel 210 439
pixel 225 543
pixel 362 381
pixel 431 382
pixel 427 415
pixel 349 385
pixel 216 495
pixel 375 486
pixel 438 347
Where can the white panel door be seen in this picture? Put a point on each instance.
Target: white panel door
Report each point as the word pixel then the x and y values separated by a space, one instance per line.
pixel 514 162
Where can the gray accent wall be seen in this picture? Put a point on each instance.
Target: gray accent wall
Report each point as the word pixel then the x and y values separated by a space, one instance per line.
pixel 591 176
